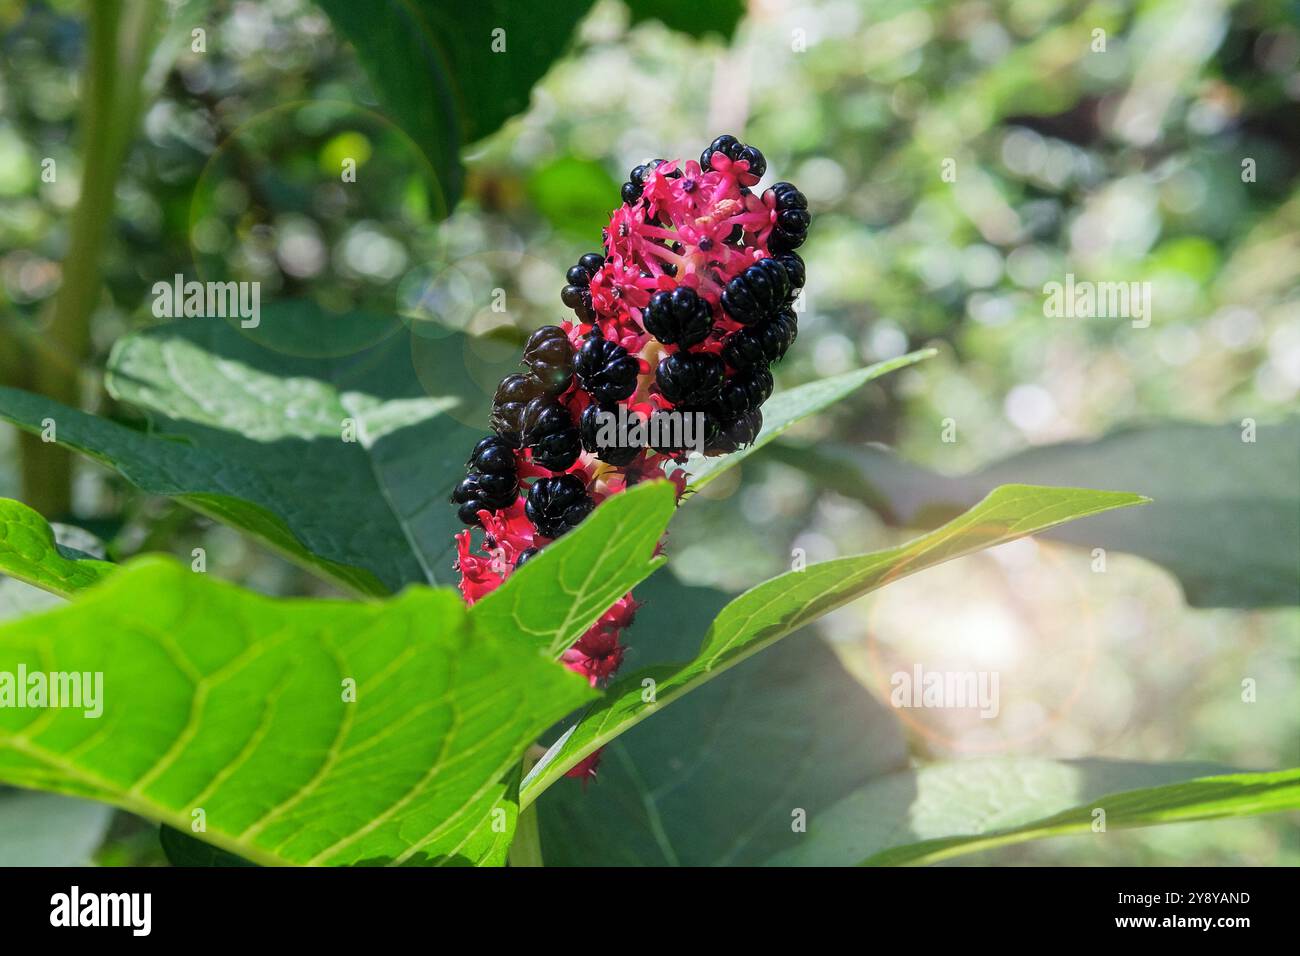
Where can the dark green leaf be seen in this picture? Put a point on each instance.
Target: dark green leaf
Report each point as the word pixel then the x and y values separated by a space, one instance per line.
pixel 184 850
pixel 251 427
pixel 1225 517
pixel 696 19
pixel 436 71
pixel 716 779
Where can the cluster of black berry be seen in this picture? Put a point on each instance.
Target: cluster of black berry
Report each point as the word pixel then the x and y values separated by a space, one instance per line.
pixel 527 413
pixel 577 293
pixel 631 190
pixel 719 369
pixel 734 150
pixel 792 219
pixel 491 481
pixel 761 300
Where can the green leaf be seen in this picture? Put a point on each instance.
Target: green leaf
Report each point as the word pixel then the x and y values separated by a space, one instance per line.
pixel 556 596
pixel 771 610
pixel 686 16
pixel 44 829
pixel 184 850
pixel 30 553
pixel 965 797
pixel 218 699
pixel 1225 516
pixel 715 779
pixel 785 409
pixel 1207 798
pixel 249 426
pixel 436 72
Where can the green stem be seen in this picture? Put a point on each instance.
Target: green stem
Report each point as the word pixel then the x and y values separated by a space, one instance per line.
pixel 526 849
pixel 120 37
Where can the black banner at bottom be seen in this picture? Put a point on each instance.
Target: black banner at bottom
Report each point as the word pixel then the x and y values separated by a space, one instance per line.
pixel 586 906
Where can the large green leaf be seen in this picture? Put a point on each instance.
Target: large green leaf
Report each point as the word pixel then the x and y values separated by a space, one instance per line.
pixel 965 797
pixel 1207 798
pixel 1225 518
pixel 785 409
pixel 444 73
pixel 555 597
pixel 777 607
pixel 219 699
pixel 718 778
pixel 248 426
pixel 30 553
pixel 690 16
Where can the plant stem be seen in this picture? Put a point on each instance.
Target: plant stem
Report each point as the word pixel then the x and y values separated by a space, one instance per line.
pixel 526 849
pixel 120 33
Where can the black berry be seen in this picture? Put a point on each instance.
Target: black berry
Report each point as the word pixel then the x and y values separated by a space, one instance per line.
pixel 605 369
pixel 792 218
pixel 478 492
pixel 734 434
pixel 745 391
pixel 757 292
pixel 725 144
pixel 548 355
pixel 556 505
pixel 548 430
pixel 632 189
pixel 786 196
pixel 577 293
pixel 493 456
pixel 734 150
pixel 690 378
pixel 762 343
pixel 707 420
pixel 794 269
pixel 590 428
pixel 678 317
pixel 757 162
pixel 526 555
pixel 514 392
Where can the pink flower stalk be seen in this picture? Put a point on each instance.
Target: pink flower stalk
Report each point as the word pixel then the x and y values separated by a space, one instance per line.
pixel 685 309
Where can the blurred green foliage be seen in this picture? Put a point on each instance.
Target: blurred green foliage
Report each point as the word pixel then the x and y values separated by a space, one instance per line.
pixel 1164 148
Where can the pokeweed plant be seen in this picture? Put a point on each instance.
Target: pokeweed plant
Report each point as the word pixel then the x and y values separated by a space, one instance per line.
pixel 398 730
pixel 400 727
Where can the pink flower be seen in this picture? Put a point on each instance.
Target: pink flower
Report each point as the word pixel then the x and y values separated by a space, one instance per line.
pixel 585 769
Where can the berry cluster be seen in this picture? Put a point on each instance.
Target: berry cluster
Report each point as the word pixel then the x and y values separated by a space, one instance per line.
pixel 686 309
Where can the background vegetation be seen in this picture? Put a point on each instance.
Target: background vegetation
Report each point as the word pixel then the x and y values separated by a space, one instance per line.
pixel 1123 165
